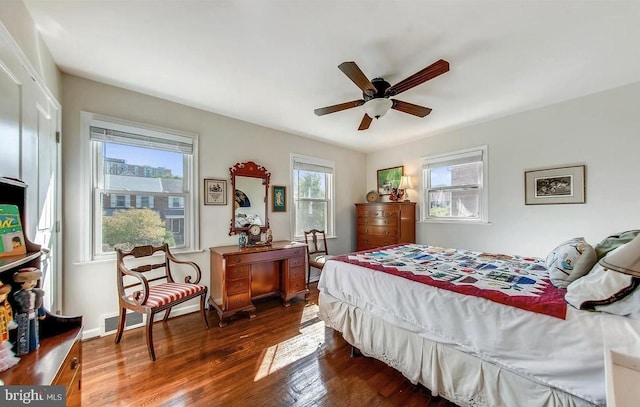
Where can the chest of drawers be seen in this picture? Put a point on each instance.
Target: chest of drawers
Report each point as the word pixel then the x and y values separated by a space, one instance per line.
pixel 385 223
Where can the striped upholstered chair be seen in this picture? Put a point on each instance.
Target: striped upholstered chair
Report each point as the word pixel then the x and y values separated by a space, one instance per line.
pixel 148 286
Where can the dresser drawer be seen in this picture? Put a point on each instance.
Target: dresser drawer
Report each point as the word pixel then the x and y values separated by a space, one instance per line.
pixel 70 372
pixel 237 286
pixel 370 242
pixel 297 285
pixel 238 300
pixel 377 230
pixel 237 272
pixel 296 273
pixel 376 213
pixel 296 261
pixel 393 221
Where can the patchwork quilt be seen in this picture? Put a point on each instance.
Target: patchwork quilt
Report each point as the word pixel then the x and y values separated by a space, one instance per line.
pixel 517 281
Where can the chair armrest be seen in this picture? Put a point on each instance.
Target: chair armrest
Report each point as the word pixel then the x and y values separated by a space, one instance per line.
pixel 187 278
pixel 139 297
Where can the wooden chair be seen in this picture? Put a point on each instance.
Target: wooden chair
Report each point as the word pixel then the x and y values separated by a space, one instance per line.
pixel 150 288
pixel 317 251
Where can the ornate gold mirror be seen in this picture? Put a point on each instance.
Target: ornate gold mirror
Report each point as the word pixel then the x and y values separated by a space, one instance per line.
pixel 250 185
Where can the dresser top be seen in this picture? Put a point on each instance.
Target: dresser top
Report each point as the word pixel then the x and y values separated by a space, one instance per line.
pixel 235 249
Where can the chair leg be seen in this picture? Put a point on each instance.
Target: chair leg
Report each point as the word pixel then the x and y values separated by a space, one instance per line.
pixel 166 315
pixel 121 321
pixel 203 309
pixel 149 331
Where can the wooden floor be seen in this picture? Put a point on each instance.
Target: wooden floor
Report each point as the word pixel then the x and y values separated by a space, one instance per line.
pixel 283 357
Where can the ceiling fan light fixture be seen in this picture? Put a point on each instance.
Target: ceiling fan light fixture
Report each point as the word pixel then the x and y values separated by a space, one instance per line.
pixel 377 107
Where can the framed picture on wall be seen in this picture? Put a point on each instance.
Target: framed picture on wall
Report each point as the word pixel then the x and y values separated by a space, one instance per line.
pixel 279 198
pixel 389 178
pixel 563 185
pixel 215 191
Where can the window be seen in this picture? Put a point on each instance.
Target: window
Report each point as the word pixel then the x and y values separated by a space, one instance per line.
pixel 455 186
pixel 142 186
pixel 312 180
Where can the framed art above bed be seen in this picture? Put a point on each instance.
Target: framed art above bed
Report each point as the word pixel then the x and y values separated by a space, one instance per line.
pixel 562 185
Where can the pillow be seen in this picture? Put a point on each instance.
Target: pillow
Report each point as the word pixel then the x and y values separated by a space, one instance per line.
pixel 613 241
pixel 569 261
pixel 599 287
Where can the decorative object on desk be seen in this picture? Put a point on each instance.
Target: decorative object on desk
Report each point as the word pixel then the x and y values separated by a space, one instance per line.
pixel 625 260
pixel 7 357
pixel 405 184
pixel 215 191
pixel 564 185
pixel 269 236
pixel 372 196
pixel 254 234
pixel 389 178
pixel 29 309
pixel 279 198
pixel 242 240
pixel 11 234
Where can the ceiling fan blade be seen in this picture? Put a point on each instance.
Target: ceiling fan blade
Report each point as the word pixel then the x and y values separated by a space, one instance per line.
pixel 354 73
pixel 365 123
pixel 410 108
pixel 336 108
pixel 437 68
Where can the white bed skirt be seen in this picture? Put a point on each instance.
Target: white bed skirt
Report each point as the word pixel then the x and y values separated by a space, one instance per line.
pixel 459 377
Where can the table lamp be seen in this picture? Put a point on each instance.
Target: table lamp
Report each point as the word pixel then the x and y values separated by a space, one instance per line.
pixel 626 260
pixel 405 183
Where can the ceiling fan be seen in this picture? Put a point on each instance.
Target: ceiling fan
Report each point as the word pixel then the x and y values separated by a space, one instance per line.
pixel 376 93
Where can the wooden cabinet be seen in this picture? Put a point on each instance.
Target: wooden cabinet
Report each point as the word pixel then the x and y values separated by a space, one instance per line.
pixel 248 273
pixel 385 223
pixel 58 360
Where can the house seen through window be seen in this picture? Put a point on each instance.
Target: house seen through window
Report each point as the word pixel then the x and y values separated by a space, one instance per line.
pixel 141 184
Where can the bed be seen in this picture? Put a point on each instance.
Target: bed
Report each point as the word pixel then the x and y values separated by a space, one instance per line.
pixel 478 329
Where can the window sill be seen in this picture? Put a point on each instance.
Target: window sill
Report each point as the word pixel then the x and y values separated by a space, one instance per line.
pixel 456 221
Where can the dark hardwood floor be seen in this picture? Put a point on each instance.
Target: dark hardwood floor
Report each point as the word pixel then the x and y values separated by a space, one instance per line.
pixel 283 357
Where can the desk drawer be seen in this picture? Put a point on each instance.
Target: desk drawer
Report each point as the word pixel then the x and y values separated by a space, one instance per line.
pixel 69 373
pixel 238 300
pixel 297 285
pixel 296 261
pixel 237 272
pixel 237 286
pixel 296 273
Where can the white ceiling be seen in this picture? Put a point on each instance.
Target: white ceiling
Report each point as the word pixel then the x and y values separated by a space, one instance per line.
pixel 272 62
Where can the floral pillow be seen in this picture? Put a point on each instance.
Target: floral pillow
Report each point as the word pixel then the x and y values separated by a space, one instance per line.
pixel 570 261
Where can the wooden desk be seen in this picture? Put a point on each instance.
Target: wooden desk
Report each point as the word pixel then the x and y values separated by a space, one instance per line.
pixel 248 273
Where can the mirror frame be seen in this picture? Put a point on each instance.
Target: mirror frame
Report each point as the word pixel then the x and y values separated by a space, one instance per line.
pixel 253 170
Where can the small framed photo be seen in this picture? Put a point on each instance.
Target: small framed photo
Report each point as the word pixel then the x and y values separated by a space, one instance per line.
pixel 389 179
pixel 215 191
pixel 563 185
pixel 279 198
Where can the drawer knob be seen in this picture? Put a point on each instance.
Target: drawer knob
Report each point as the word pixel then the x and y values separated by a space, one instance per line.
pixel 74 363
pixel 237 259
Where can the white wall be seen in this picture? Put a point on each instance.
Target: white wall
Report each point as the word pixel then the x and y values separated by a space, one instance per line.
pixel 90 287
pixel 601 131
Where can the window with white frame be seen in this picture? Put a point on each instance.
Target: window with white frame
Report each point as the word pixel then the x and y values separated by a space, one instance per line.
pixel 455 186
pixel 313 194
pixel 142 185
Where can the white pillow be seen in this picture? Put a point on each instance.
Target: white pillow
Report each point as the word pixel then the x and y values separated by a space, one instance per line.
pixel 599 287
pixel 570 261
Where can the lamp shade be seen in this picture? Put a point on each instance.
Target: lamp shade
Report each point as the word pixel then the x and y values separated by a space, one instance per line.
pixel 377 107
pixel 405 183
pixel 625 260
